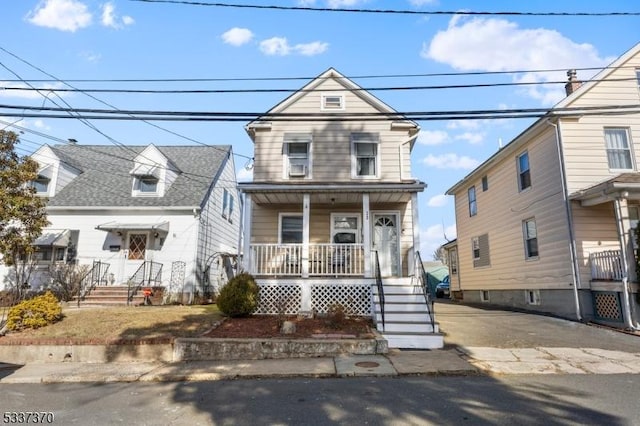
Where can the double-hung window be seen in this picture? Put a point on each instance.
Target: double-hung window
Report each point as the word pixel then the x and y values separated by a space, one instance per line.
pixel 530 232
pixel 227 205
pixel 524 173
pixel 291 229
pixel 618 149
pixel 345 228
pixel 365 162
pixel 473 203
pixel 297 150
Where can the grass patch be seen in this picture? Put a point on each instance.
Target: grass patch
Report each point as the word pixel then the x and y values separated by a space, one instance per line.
pixel 132 322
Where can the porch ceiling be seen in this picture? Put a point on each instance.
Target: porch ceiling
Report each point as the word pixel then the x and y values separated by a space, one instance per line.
pixel 626 185
pixel 329 198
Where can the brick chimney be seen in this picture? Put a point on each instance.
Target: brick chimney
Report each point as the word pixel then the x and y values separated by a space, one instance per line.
pixel 573 83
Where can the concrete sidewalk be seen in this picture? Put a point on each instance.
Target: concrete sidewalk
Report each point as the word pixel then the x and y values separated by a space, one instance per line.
pixel 462 361
pixel 395 363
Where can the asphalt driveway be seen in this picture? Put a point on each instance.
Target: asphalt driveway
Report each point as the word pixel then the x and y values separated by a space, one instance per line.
pixel 473 326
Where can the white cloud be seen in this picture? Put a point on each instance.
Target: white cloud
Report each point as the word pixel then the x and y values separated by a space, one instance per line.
pixel 420 3
pixel 450 161
pixel 64 15
pixel 464 124
pixel 496 44
pixel 237 36
pixel 471 137
pixel 439 200
pixel 433 237
pixel 433 137
pixel 337 4
pixel 311 49
pixel 111 20
pixel 279 46
pixel 90 56
pixel 244 175
pixel 275 46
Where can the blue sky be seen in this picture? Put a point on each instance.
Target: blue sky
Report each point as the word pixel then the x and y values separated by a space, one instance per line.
pixel 121 39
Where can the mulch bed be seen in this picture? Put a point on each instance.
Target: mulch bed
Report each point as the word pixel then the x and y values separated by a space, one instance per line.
pixel 268 326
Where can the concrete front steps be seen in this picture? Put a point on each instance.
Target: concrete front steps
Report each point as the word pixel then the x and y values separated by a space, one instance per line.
pixel 407 320
pixel 113 295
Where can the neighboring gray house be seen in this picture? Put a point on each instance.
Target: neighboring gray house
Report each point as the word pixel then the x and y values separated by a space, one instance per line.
pixel 139 208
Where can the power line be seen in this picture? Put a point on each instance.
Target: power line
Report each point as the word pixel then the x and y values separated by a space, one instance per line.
pixel 360 89
pixel 351 77
pixel 385 11
pixel 107 104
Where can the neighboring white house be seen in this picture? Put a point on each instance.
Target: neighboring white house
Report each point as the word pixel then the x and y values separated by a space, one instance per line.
pixel 546 223
pixel 331 215
pixel 167 211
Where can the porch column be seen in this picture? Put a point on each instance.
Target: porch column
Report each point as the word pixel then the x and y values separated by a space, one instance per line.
pixel 366 235
pixel 306 289
pixel 246 239
pixel 415 226
pixel 620 205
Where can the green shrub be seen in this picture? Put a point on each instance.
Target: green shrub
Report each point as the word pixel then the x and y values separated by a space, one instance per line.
pixel 239 297
pixel 34 313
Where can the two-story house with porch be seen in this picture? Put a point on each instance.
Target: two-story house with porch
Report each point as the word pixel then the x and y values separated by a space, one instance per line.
pixel 158 216
pixel 331 216
pixel 546 223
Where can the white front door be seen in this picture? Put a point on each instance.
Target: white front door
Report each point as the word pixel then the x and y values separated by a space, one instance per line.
pixel 385 241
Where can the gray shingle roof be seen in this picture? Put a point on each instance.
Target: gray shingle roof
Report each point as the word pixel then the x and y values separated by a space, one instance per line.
pixel 105 179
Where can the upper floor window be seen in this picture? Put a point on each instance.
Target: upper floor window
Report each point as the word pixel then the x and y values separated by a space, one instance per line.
pixel 530 238
pixel 227 205
pixel 146 184
pixel 524 173
pixel 485 183
pixel 473 204
pixel 41 184
pixel 297 149
pixel 332 102
pixel 364 155
pixel 618 149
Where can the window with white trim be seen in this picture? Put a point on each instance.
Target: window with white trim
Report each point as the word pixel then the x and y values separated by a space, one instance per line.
pixel 530 233
pixel 227 205
pixel 146 184
pixel 345 228
pixel 365 160
pixel 473 203
pixel 618 149
pixel 290 229
pixel 41 184
pixel 331 101
pixel 297 151
pixel 524 172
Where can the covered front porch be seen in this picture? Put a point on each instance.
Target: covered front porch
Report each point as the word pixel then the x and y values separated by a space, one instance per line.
pixel 607 216
pixel 321 243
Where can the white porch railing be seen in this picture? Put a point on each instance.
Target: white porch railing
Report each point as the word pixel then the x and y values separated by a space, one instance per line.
pixel 606 265
pixel 324 259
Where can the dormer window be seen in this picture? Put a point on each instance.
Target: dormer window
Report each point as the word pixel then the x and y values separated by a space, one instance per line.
pixel 147 184
pixel 41 184
pixel 332 102
pixel 297 151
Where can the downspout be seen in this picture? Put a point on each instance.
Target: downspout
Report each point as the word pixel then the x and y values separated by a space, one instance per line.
pixel 626 306
pixel 572 239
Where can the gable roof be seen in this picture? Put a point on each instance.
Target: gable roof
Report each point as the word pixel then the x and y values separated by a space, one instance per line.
pixel 105 180
pixel 348 84
pixel 536 126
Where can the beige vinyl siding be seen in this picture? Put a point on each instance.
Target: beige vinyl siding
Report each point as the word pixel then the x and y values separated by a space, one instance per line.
pixel 331 146
pixel 501 212
pixel 583 138
pixel 264 228
pixel 595 230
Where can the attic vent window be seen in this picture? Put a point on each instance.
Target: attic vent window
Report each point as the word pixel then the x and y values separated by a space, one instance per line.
pixel 332 102
pixel 147 184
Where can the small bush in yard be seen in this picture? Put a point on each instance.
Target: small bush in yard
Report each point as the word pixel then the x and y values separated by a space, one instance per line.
pixel 35 313
pixel 239 297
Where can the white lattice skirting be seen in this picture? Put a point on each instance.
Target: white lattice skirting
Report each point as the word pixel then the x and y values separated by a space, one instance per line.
pixel 286 296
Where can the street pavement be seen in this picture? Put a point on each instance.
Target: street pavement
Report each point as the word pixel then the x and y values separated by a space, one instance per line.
pixel 477 341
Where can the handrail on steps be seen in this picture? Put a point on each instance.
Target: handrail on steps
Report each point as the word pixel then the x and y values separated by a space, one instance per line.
pixel 380 287
pixel 148 273
pixel 93 277
pixel 421 275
